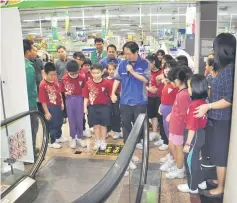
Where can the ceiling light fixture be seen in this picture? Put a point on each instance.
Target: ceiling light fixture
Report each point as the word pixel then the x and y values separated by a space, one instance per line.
pixel 167 23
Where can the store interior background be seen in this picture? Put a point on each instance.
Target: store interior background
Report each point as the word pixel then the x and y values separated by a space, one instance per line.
pixel 152 26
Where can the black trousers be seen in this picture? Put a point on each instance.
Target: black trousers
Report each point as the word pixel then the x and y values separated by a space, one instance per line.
pixel 115 119
pixel 64 102
pixel 195 174
pixel 129 115
pixel 34 128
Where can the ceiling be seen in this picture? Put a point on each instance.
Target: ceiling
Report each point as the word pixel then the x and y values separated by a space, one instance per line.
pixel 123 19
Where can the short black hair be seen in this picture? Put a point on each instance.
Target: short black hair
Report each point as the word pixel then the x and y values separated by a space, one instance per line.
pixel 171 63
pixel 79 54
pixel 112 46
pixel 210 61
pixel 27 45
pixel 224 47
pixel 61 47
pixel 182 59
pixel 98 40
pixel 72 66
pixel 167 57
pixel 182 73
pixel 151 58
pixel 133 46
pixel 87 61
pixel 110 64
pixel 48 67
pixel 97 66
pixel 199 86
pixel 160 51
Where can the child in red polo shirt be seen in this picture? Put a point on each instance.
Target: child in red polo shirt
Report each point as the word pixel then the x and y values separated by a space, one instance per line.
pixel 154 89
pixel 179 76
pixel 115 124
pixel 72 84
pixel 195 138
pixel 51 99
pixel 97 96
pixel 167 100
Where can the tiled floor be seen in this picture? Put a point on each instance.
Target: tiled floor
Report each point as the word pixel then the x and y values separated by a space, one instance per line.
pixel 169 192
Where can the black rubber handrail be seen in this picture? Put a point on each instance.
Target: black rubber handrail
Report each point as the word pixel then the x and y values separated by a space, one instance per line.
pixel 43 149
pixel 102 190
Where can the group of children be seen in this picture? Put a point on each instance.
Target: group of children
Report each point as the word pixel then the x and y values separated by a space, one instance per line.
pixel 173 95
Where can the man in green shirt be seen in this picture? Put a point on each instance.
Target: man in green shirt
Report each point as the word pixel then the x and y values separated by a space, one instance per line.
pixel 99 54
pixel 30 53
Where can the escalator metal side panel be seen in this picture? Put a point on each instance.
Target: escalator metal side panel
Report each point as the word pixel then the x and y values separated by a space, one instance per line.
pixel 24 192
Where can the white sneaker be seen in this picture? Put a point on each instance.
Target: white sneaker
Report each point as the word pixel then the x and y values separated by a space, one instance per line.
pixel 203 185
pixel 172 168
pixel 87 133
pixel 126 174
pixel 152 136
pixel 73 144
pixel 185 188
pixel 103 145
pixel 92 130
pixel 163 147
pixel 97 145
pixel 159 142
pixel 167 165
pixel 81 143
pixel 165 158
pixel 139 146
pixel 55 145
pixel 61 140
pixel 135 159
pixel 177 173
pixel 132 166
pixel 116 136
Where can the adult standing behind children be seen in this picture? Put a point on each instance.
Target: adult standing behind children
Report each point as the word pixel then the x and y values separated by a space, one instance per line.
pixel 134 74
pixel 99 53
pixel 60 65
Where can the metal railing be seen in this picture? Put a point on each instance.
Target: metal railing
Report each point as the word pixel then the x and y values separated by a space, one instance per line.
pixel 43 149
pixel 101 192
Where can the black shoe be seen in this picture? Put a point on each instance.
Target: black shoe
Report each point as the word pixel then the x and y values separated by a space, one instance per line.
pixel 209 195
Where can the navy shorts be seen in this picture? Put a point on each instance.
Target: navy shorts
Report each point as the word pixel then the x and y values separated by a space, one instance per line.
pixel 153 106
pixel 99 114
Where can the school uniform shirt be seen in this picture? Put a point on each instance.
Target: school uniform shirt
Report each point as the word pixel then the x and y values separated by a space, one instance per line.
pixel 50 93
pixel 169 93
pixel 193 123
pixel 111 83
pixel 73 85
pixel 133 91
pixel 97 93
pixel 87 74
pixel 154 83
pixel 104 62
pixel 179 111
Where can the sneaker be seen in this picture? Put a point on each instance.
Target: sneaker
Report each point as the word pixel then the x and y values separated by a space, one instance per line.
pixel 121 134
pixel 172 168
pixel 103 145
pixel 86 133
pixel 116 136
pixel 81 143
pixel 61 140
pixel 185 188
pixel 55 145
pixel 132 166
pixel 177 173
pixel 126 174
pixel 165 158
pixel 163 147
pixel 97 145
pixel 159 142
pixel 167 165
pixel 203 185
pixel 152 136
pixel 135 159
pixel 73 144
pixel 92 130
pixel 139 146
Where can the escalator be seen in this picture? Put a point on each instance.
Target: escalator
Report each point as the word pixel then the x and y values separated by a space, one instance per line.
pixel 87 180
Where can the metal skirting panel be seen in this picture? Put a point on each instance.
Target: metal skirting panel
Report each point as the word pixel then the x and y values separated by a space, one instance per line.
pixel 24 192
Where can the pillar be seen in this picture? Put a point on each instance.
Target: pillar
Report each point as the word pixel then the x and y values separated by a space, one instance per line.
pixel 205 32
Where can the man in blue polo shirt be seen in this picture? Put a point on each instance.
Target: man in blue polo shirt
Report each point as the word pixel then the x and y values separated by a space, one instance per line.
pixel 133 74
pixel 112 56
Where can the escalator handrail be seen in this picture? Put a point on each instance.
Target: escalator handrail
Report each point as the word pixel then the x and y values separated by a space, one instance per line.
pixel 43 149
pixel 103 189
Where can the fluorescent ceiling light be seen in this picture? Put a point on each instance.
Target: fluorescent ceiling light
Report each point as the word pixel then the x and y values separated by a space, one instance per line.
pixel 80 26
pixel 225 14
pixel 168 23
pixel 120 24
